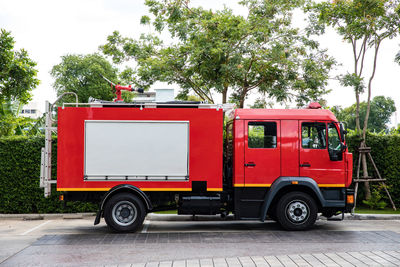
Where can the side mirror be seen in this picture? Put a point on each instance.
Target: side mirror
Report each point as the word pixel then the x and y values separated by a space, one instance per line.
pixel 343 132
pixel 337 154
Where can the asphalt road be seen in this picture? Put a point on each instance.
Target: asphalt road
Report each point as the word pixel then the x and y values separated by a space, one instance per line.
pixel 78 242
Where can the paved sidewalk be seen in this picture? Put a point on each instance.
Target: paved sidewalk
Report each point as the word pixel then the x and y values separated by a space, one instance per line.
pixel 365 258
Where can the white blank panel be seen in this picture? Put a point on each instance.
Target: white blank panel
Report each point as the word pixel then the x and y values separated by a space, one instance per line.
pixel 136 148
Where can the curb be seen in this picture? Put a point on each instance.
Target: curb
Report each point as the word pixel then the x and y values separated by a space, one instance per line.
pixel 47 216
pixel 358 216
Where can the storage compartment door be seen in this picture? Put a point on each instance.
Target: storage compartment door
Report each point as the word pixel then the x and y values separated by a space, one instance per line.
pixel 136 150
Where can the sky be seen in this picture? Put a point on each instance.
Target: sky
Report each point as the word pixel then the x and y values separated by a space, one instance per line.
pixel 49 29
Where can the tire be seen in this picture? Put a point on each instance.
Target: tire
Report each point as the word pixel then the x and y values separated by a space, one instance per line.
pixel 124 212
pixel 296 211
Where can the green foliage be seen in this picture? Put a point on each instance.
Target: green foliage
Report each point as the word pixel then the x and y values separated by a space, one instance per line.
pixel 81 74
pixel 220 53
pixel 365 24
pixel 13 124
pixel 375 202
pixel 18 76
pixel 381 110
pixel 19 179
pixel 386 154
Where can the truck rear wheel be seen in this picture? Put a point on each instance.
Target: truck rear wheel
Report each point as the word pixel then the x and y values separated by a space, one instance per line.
pixel 124 212
pixel 296 211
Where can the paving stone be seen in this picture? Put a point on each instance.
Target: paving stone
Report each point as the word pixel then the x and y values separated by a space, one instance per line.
pixel 192 263
pixel 366 260
pixel 325 260
pixel 387 257
pixel 152 264
pixel 246 262
pixel 377 258
pixel 220 262
pixel 273 261
pixel 206 263
pixel 393 254
pixel 165 264
pixel 298 260
pixel 259 261
pixel 233 262
pixel 310 259
pixel 286 261
pixel 179 264
pixel 338 260
pixel 350 259
pixel 139 265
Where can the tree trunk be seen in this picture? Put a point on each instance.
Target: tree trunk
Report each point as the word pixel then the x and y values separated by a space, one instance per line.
pixel 365 172
pixel 358 128
pixel 243 95
pixel 224 95
pixel 364 132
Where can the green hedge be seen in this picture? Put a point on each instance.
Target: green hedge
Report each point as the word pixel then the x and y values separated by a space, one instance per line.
pixel 20 170
pixel 19 179
pixel 386 154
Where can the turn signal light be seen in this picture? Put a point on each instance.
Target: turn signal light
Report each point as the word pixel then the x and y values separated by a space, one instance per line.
pixel 295 182
pixel 350 199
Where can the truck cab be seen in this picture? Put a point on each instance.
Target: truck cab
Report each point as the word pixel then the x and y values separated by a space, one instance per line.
pixel 276 152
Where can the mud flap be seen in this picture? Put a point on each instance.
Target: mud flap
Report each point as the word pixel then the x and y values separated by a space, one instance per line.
pixel 98 217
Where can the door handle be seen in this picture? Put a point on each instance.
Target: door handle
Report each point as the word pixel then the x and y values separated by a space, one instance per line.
pixel 305 165
pixel 250 164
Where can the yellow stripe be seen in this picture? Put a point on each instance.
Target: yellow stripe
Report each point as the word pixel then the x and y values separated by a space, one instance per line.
pixel 252 185
pixel 269 185
pixel 331 185
pixel 214 189
pixel 106 189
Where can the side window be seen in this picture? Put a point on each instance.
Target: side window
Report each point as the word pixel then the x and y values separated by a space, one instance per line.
pixel 334 142
pixel 262 134
pixel 313 135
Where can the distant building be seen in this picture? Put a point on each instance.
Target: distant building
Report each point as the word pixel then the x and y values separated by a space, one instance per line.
pixel 31 110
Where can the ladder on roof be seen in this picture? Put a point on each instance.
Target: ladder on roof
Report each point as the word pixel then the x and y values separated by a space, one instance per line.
pixel 45 167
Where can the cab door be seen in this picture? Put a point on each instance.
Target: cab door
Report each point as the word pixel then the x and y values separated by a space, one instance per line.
pixel 262 152
pixel 315 139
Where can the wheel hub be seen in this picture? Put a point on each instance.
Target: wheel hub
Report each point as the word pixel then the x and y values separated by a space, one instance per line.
pixel 124 213
pixel 297 211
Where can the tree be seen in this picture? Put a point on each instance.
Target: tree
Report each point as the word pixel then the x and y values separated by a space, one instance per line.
pixel 81 74
pixel 18 76
pixel 382 108
pixel 365 24
pixel 220 53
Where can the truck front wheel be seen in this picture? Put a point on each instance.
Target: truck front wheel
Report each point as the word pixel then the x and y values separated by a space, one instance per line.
pixel 296 211
pixel 124 212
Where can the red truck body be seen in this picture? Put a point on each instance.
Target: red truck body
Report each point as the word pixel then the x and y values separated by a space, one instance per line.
pixel 284 164
pixel 205 146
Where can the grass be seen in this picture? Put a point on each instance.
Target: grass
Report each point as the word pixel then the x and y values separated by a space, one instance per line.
pixel 363 210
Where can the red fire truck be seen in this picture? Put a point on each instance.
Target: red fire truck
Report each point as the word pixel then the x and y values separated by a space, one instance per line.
pixel 133 159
